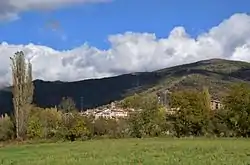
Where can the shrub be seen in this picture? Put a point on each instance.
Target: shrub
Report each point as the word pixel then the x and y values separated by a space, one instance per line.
pixel 116 128
pixel 6 128
pixel 74 127
pixel 122 129
pixel 44 123
pixel 218 124
pixel 109 127
pixel 51 120
pixel 34 129
pixel 100 127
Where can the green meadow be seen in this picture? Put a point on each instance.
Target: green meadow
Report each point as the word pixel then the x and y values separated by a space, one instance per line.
pixel 153 151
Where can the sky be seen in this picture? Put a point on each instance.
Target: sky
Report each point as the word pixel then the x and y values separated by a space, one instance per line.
pixel 72 40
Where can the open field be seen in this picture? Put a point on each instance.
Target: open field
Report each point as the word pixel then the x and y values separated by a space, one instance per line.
pixel 131 151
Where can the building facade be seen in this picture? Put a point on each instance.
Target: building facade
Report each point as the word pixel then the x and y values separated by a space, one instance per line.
pixel 215 104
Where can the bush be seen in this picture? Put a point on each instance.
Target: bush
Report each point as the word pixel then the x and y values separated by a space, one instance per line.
pixel 116 128
pixel 74 127
pixel 51 120
pixel 6 128
pixel 100 127
pixel 218 124
pixel 111 128
pixel 122 129
pixel 50 123
pixel 34 129
pixel 44 123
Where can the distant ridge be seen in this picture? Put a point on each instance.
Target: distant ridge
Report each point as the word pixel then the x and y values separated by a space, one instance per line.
pixel 217 74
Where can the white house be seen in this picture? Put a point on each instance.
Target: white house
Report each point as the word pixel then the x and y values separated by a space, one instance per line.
pixel 112 113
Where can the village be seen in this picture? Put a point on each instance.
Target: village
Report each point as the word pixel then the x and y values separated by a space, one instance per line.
pixel 116 112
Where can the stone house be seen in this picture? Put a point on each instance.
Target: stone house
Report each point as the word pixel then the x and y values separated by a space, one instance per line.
pixel 215 104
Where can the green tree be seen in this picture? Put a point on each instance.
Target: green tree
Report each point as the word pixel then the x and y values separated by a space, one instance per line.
pixel 207 99
pixel 133 101
pixel 237 106
pixel 136 124
pixel 22 91
pixel 148 118
pixel 67 105
pixel 192 113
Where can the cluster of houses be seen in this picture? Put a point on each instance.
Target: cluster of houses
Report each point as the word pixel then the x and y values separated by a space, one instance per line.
pixel 111 111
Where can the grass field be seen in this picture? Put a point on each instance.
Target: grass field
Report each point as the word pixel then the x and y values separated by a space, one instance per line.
pixel 131 151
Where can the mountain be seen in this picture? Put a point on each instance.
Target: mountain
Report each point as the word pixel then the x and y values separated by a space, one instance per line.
pixel 217 74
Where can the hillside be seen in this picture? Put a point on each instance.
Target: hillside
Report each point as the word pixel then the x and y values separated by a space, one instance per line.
pixel 217 74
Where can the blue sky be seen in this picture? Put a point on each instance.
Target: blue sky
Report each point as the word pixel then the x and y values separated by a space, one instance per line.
pixel 122 36
pixel 93 23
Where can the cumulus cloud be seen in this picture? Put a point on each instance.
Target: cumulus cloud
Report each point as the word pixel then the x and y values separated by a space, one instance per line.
pixel 9 9
pixel 133 52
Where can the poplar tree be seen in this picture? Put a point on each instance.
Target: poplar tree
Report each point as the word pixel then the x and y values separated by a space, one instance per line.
pixel 22 91
pixel 207 99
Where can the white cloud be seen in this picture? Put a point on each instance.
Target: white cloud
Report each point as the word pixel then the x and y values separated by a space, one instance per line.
pixel 131 52
pixel 9 9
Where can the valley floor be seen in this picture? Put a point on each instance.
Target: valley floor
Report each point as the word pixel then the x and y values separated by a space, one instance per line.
pixel 152 151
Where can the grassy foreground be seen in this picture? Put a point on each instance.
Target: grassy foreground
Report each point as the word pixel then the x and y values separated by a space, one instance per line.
pixel 131 151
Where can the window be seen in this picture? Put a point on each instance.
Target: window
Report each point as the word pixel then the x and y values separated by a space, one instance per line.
pixel 216 106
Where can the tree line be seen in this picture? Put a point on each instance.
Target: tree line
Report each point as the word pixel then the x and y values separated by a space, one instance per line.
pixel 192 114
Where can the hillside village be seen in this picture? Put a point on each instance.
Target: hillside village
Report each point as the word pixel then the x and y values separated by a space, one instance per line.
pixel 111 111
pixel 116 112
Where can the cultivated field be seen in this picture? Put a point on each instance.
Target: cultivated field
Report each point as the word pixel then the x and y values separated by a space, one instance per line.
pixel 131 151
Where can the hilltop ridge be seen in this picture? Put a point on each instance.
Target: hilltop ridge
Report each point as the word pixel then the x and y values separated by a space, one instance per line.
pixel 217 74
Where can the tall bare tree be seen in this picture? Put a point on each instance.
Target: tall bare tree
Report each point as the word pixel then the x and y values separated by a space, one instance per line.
pixel 22 91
